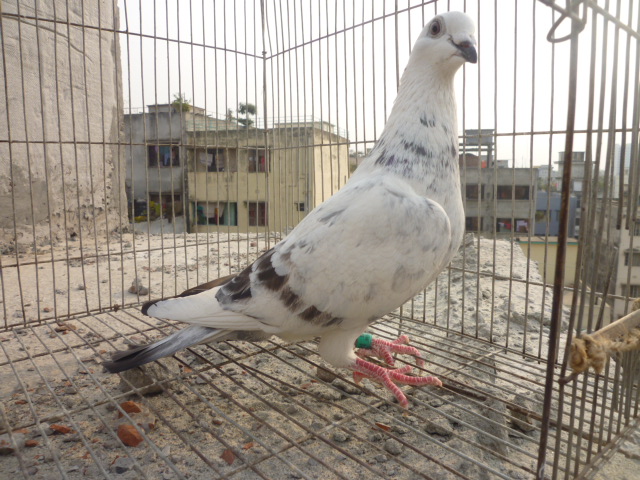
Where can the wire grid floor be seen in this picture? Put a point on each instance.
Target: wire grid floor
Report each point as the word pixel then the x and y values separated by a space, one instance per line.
pixel 260 410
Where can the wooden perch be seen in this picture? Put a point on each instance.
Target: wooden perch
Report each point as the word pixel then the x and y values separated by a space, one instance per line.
pixel 594 349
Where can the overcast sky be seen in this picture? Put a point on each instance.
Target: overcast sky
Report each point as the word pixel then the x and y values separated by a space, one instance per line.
pixel 340 62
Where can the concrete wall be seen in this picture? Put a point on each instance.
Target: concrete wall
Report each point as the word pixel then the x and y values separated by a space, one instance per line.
pixel 331 165
pixel 62 174
pixel 141 130
pixel 626 274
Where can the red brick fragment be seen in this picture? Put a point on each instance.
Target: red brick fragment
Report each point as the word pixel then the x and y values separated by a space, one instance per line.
pixel 31 443
pixel 129 407
pixel 56 427
pixel 129 435
pixel 228 456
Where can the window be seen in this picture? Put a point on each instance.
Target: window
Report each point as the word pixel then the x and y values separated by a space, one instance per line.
pixel 257 214
pixel 507 225
pixel 257 160
pixel 473 224
pixel 218 159
pixel 520 192
pixel 300 206
pixel 217 214
pixel 632 259
pixel 631 291
pixel 636 230
pixel 474 192
pixel 504 192
pixel 541 215
pixel 163 155
pixel 504 225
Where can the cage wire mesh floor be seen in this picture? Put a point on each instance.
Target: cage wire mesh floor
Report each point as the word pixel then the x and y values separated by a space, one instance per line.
pixel 98 164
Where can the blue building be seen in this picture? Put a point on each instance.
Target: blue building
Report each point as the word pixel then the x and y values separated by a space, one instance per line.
pixel 548 214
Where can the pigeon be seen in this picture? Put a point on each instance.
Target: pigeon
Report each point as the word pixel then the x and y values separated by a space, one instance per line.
pixel 365 251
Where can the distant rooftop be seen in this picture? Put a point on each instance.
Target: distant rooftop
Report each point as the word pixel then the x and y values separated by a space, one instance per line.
pixel 201 120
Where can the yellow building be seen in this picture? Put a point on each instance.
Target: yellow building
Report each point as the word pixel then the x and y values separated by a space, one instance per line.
pixel 262 179
pixel 536 250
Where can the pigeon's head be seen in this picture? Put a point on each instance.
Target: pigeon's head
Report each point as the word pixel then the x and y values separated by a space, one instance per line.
pixel 447 42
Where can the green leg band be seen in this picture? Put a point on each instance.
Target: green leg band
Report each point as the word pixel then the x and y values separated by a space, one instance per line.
pixel 364 341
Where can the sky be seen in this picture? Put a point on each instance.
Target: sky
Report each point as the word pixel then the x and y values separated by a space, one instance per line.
pixel 341 62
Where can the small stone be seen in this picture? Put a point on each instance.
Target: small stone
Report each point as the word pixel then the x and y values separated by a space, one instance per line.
pixel 31 443
pixel 291 410
pixel 340 436
pixel 137 287
pixel 81 287
pixel 325 375
pixel 7 446
pixel 144 378
pixel 121 465
pixel 45 428
pixel 519 416
pixel 381 458
pixel 393 446
pixel 438 426
pixel 129 435
pixel 166 450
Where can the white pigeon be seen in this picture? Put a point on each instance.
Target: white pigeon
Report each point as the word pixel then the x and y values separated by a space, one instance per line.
pixel 374 245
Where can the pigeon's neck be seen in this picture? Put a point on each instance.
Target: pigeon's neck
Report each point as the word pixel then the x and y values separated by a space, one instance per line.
pixel 420 140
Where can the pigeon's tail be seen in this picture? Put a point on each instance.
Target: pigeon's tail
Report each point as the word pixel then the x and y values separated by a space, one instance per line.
pixel 169 345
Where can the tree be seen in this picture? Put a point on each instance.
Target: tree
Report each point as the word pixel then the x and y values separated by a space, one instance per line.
pixel 180 103
pixel 246 109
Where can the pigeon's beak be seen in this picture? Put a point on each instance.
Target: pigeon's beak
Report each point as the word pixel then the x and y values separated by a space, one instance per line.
pixel 467 51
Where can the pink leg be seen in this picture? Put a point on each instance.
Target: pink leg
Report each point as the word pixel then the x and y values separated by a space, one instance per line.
pixel 384 349
pixel 389 377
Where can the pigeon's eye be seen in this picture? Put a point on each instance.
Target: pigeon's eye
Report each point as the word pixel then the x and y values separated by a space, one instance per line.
pixel 435 29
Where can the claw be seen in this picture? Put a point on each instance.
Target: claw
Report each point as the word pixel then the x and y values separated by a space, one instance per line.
pixel 384 349
pixel 388 377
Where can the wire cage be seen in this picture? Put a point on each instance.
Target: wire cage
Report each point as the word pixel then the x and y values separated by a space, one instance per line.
pixel 148 147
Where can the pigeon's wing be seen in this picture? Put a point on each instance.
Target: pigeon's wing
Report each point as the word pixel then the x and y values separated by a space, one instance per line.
pixel 203 287
pixel 359 255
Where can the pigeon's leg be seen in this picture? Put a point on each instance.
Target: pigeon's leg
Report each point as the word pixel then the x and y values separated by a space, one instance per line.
pixel 384 349
pixel 388 377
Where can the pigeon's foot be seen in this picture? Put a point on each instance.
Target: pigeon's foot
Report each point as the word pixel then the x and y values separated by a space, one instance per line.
pixel 384 349
pixel 389 377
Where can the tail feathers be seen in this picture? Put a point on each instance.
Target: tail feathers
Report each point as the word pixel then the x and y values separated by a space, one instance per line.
pixel 125 360
pixel 191 291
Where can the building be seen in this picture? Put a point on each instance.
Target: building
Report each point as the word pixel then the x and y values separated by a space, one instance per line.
pixel 544 250
pixel 578 166
pixel 155 157
pixel 547 219
pixel 497 200
pixel 216 174
pixel 479 144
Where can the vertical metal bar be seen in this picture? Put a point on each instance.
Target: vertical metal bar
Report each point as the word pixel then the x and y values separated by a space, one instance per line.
pixel 558 284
